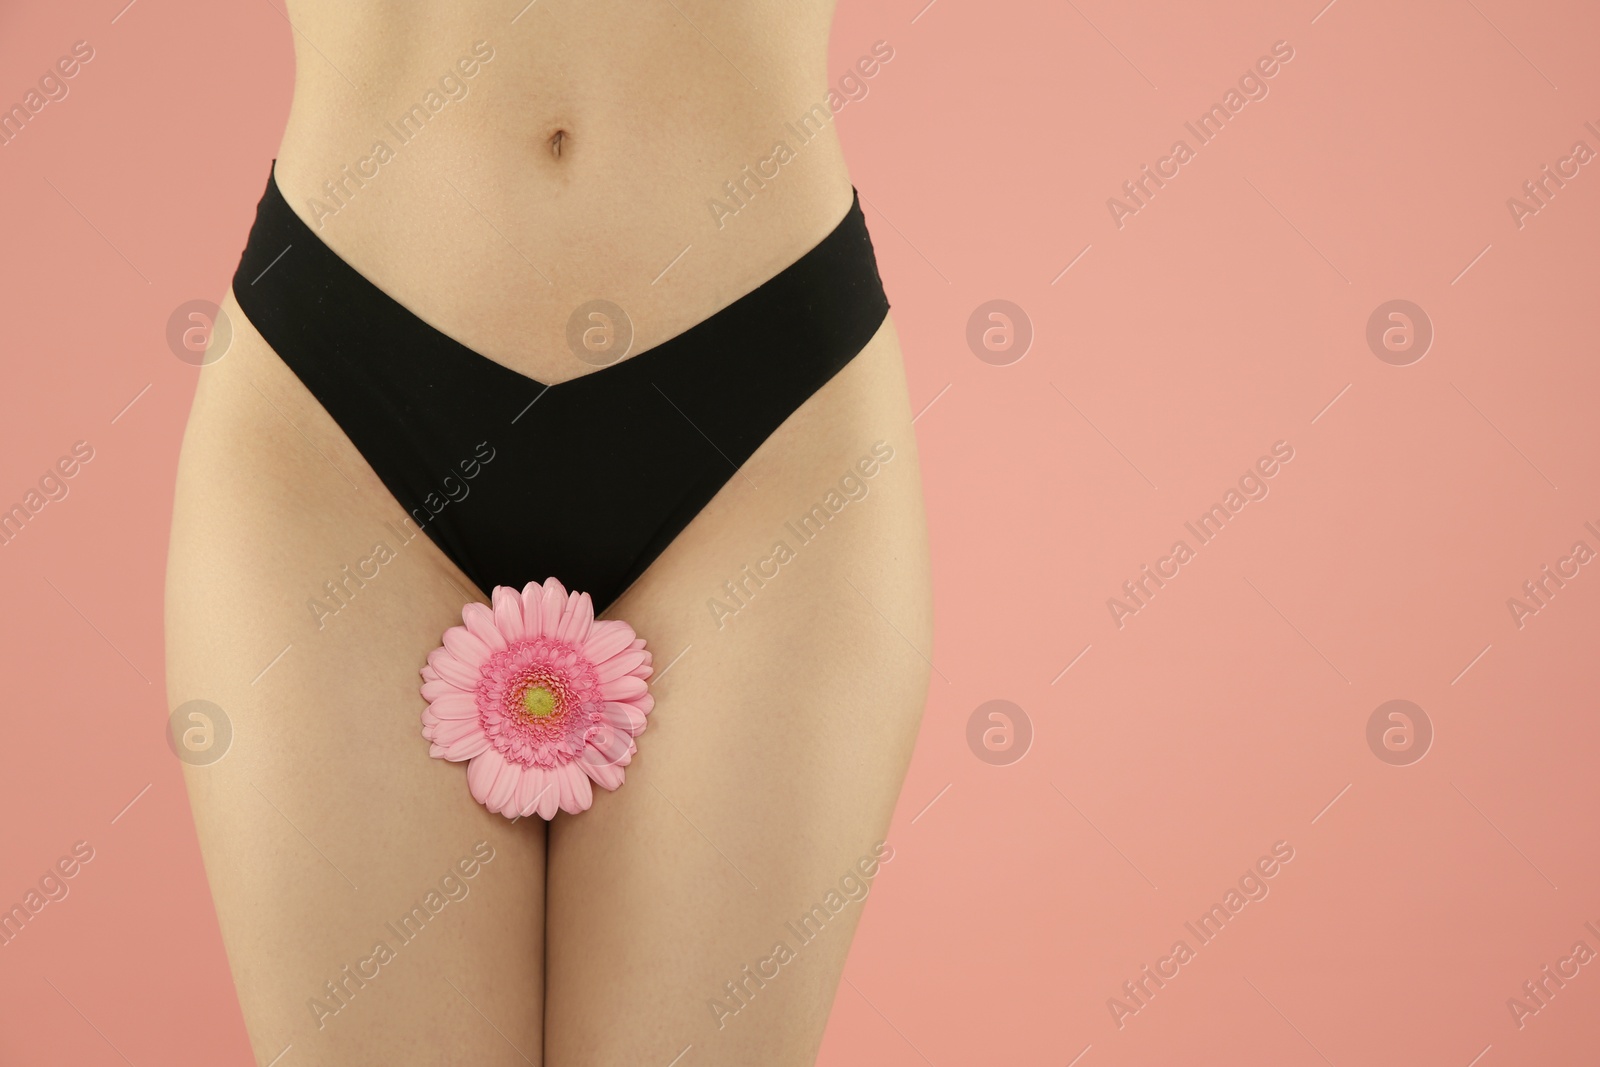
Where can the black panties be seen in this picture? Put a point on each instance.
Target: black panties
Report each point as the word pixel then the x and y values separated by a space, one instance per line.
pixel 590 479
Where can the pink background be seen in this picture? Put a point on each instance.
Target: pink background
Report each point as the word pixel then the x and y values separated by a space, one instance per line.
pixel 1226 716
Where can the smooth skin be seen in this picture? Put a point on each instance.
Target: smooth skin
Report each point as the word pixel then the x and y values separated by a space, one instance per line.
pixel 578 163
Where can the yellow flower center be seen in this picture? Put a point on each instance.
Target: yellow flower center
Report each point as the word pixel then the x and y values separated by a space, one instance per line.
pixel 539 701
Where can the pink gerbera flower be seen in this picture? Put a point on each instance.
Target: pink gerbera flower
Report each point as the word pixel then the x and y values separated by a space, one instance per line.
pixel 540 696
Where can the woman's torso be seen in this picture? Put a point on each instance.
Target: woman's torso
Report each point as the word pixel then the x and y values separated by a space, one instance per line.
pixel 495 168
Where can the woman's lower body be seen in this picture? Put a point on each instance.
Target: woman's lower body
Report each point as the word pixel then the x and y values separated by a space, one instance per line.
pixel 374 913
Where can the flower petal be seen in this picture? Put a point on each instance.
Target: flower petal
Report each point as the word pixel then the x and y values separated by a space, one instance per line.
pixel 532 790
pixel 508 612
pixel 469 747
pixel 482 772
pixel 548 801
pixel 625 688
pixel 577 621
pixel 481 624
pixel 576 795
pixel 439 687
pixel 605 773
pixel 454 705
pixel 624 717
pixel 448 731
pixel 532 610
pixel 606 639
pixel 472 652
pixel 502 797
pixel 555 602
pixel 608 744
pixel 558 778
pixel 624 662
pixel 452 670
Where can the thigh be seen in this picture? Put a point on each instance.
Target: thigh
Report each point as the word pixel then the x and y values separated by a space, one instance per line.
pixel 373 913
pixel 711 900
